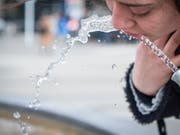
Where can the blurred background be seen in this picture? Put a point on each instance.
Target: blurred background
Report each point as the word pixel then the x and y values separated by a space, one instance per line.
pixel 85 92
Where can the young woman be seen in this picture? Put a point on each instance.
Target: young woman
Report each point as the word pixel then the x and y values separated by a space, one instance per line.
pixel 150 91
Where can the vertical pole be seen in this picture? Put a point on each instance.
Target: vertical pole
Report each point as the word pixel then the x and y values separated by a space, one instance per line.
pixel 29 22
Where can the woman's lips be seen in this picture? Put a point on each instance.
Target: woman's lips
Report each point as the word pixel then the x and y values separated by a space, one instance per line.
pixel 133 34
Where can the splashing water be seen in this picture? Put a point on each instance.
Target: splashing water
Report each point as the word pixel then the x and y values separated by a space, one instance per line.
pixel 16 115
pixel 23 126
pixel 104 24
pixel 91 24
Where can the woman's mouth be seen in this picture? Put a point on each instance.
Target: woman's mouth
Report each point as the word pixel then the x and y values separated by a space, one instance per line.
pixel 135 35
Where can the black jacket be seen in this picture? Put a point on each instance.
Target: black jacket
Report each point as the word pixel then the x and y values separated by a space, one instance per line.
pixel 169 105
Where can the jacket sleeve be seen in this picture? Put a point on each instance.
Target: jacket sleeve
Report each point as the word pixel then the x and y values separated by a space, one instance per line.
pixel 145 108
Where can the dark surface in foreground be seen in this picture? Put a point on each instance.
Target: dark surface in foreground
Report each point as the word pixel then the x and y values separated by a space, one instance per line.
pixel 43 123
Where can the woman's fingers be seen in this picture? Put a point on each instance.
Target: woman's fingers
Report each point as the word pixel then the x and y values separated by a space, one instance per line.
pixel 176 60
pixel 160 43
pixel 172 44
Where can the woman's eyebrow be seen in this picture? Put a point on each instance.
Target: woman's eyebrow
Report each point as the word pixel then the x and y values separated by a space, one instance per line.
pixel 135 5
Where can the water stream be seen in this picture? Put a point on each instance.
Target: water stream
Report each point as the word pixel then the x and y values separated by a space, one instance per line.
pixel 91 24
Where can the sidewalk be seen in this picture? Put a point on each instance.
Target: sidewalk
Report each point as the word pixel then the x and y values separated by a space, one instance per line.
pixel 86 87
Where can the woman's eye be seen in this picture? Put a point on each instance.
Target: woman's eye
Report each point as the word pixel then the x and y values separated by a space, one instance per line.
pixel 141 11
pixel 141 14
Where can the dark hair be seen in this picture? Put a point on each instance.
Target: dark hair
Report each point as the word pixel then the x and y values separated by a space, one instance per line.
pixel 177 2
pixel 20 2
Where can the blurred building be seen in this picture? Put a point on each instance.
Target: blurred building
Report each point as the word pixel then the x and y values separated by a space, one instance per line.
pixel 71 8
pixel 59 16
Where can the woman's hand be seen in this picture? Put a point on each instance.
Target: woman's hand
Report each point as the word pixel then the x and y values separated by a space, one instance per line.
pixel 150 73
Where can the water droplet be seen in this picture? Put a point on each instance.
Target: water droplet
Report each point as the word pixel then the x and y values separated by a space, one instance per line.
pixel 37 93
pixel 115 104
pixel 130 37
pixel 114 67
pixel 16 115
pixel 118 36
pixel 121 32
pixel 147 41
pixel 68 36
pixel 70 42
pixel 28 117
pixel 30 105
pixel 89 35
pixel 122 79
pixel 35 104
pixel 24 128
pixel 83 39
pixel 62 62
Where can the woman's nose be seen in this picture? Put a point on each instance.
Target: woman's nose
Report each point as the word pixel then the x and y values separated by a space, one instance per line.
pixel 122 17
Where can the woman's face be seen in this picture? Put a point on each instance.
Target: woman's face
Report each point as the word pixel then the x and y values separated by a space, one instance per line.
pixel 152 18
